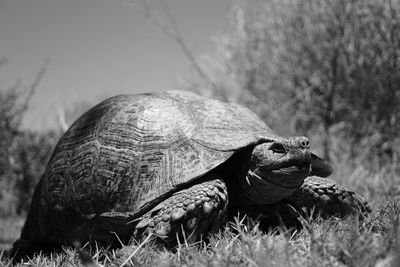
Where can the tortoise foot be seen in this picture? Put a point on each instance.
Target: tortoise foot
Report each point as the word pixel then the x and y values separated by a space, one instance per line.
pixel 188 214
pixel 325 197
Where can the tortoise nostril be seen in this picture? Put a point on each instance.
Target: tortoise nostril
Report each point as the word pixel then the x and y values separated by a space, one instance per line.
pixel 305 143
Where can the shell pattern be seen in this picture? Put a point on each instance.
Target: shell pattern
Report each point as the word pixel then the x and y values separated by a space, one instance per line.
pixel 130 150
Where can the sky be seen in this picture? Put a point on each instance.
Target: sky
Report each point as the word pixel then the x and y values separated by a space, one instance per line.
pixel 98 48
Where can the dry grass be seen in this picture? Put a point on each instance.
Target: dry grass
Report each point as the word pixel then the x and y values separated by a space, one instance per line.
pixel 333 242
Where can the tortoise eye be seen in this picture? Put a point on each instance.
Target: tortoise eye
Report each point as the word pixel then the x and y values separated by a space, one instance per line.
pixel 277 148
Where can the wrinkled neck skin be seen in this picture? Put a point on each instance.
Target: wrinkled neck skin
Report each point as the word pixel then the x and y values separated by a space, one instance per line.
pixel 276 170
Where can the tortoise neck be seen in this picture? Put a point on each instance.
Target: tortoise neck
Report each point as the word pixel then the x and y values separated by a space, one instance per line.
pixel 234 170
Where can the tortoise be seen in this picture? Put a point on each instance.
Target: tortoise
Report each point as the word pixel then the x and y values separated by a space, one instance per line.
pixel 167 163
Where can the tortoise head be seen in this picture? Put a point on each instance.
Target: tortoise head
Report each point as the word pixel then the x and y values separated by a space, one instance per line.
pixel 278 168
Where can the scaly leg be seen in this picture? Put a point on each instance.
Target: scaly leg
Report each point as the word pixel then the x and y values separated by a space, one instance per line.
pixel 193 212
pixel 328 198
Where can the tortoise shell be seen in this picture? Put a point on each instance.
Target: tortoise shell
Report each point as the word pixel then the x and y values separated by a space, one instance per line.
pixel 129 151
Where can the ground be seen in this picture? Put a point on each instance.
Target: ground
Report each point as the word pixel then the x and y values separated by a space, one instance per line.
pixel 374 241
pixel 333 242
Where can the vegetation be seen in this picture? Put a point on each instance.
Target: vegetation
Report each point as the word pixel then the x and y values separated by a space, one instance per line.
pixel 325 69
pixel 24 153
pixel 332 242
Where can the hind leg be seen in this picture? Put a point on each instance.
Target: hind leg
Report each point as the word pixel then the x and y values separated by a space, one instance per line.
pixel 327 198
pixel 191 212
pixel 47 232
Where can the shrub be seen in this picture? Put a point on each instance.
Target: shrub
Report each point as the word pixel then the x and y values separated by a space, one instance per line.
pixel 320 68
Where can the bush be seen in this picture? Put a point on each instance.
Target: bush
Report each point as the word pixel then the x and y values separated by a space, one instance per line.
pixel 23 154
pixel 319 68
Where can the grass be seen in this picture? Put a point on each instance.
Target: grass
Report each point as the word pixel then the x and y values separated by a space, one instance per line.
pixel 332 242
pixel 374 241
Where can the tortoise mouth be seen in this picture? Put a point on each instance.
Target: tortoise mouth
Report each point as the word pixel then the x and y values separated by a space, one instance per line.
pixel 287 167
pixel 291 161
pixel 306 168
pixel 287 171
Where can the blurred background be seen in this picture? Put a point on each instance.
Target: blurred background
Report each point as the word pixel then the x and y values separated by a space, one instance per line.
pixel 329 70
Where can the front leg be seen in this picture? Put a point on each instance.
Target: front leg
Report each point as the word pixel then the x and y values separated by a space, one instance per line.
pixel 325 197
pixel 192 212
pixel 317 196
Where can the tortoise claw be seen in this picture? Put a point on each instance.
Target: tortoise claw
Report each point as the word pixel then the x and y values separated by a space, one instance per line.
pixel 142 224
pixel 177 214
